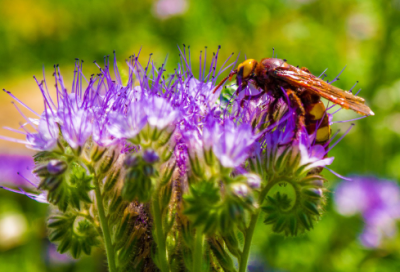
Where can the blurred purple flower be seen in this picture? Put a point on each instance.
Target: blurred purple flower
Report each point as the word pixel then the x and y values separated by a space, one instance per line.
pixel 11 165
pixel 378 201
pixel 56 258
pixel 167 8
pixel 16 171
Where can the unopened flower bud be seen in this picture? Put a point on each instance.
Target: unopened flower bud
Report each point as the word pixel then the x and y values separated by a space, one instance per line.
pixel 41 171
pixel 240 189
pixel 131 161
pixel 148 170
pixel 56 167
pixel 150 156
pixel 253 180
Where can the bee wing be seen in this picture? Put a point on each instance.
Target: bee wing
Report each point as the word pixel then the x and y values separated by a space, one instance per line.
pixel 345 99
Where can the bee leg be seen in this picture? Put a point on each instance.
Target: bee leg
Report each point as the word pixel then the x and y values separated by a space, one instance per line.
pixel 250 97
pixel 272 109
pixel 296 103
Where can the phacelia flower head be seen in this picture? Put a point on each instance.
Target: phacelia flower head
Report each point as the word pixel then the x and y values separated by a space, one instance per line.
pixel 378 202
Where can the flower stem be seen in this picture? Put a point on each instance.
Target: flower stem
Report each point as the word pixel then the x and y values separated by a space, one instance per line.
pixel 159 237
pixel 105 229
pixel 250 230
pixel 198 250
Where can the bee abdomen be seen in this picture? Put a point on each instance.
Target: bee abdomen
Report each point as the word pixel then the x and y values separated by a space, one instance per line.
pixel 317 122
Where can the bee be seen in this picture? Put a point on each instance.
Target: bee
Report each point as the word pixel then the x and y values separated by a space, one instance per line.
pixel 303 89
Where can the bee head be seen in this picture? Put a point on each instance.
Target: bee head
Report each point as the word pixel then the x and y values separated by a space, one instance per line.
pixel 246 69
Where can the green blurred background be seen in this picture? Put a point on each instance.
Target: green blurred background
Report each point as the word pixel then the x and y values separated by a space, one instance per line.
pixel 363 35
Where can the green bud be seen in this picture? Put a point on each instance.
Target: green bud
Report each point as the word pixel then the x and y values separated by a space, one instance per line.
pixel 305 220
pixel 232 243
pixel 107 163
pixel 97 153
pixel 311 207
pixel 293 225
pixel 167 153
pixel 72 236
pixel 137 185
pixel 111 181
pixel 313 192
pixel 280 224
pixel 221 255
pixel 164 137
pixel 166 174
pixel 64 246
pixel 271 218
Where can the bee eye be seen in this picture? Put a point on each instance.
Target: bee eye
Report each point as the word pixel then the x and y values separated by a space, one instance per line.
pixel 247 67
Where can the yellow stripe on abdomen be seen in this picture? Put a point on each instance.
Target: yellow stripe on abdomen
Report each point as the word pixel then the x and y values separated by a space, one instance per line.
pixel 323 134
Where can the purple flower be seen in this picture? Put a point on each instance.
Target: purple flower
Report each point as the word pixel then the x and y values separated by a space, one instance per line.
pixel 231 143
pixel 76 127
pixel 16 169
pixel 41 197
pixel 159 112
pixel 167 8
pixel 378 201
pixel 253 180
pixel 47 133
pixel 127 126
pixel 155 111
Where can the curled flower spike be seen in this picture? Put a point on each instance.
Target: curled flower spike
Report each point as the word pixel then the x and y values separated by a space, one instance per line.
pixel 295 197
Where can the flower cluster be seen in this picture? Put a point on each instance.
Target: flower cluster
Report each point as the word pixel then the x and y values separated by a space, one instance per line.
pixel 378 201
pixel 155 162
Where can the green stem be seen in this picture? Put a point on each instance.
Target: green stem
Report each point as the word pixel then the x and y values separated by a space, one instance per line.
pixel 105 229
pixel 160 239
pixel 247 241
pixel 198 250
pixel 250 230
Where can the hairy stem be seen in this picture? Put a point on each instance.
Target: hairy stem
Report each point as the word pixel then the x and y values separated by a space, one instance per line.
pixel 198 250
pixel 105 229
pixel 250 230
pixel 159 237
